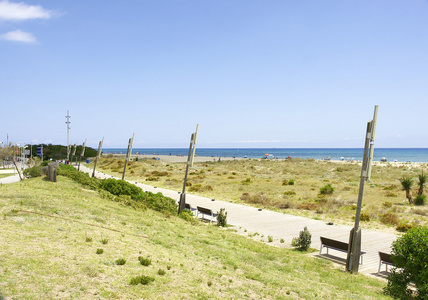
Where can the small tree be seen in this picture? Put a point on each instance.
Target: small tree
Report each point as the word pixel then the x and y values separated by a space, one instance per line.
pixel 407 184
pixel 222 218
pixel 410 257
pixel 303 242
pixel 422 180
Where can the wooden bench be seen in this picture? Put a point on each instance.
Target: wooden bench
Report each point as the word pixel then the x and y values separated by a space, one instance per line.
pixel 336 245
pixel 205 211
pixel 384 259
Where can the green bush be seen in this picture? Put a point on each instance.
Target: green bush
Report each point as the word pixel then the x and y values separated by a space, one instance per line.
pixel 143 279
pixel 120 261
pixel 410 257
pixel 222 218
pixel 188 216
pixel 389 218
pixel 119 187
pixel 328 189
pixel 420 199
pixel 364 217
pixel 80 177
pixel 33 172
pixel 303 242
pixel 157 202
pixel 145 261
pixel 291 182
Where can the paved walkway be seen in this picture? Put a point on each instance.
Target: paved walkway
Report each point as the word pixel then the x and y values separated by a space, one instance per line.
pixel 250 220
pixel 9 179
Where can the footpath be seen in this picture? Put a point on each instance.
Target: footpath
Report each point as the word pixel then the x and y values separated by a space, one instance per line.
pixel 9 179
pixel 264 223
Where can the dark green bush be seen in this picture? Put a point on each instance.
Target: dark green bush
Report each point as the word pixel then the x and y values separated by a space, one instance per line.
pixel 144 261
pixel 303 242
pixel 410 256
pixel 420 199
pixel 157 202
pixel 80 177
pixel 33 172
pixel 120 261
pixel 291 182
pixel 328 189
pixel 188 216
pixel 222 218
pixel 119 187
pixel 143 279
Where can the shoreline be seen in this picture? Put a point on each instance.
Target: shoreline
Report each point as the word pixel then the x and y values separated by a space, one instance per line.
pixel 200 159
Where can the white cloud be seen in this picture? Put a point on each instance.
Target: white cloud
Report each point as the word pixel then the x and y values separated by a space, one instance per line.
pixel 19 36
pixel 21 11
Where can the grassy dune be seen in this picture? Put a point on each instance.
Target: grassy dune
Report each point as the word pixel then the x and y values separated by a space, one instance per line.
pixel 53 254
pixel 267 183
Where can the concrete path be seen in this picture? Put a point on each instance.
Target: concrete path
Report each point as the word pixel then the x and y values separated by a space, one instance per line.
pixel 10 179
pixel 250 220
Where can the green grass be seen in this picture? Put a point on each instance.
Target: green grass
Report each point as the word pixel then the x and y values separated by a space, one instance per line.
pixel 48 255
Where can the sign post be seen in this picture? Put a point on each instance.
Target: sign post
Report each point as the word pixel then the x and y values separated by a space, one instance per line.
pixel 354 248
pixel 81 154
pixel 128 154
pixel 100 148
pixel 40 151
pixel 192 147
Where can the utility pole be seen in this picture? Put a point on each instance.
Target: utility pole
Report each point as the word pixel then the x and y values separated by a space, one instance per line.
pixel 68 134
pixel 193 139
pixel 354 248
pixel 81 154
pixel 100 148
pixel 128 154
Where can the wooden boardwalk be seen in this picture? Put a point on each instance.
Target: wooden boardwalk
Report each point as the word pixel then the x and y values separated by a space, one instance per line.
pixel 250 220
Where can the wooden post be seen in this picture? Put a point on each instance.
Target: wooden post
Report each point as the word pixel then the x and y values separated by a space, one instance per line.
pixel 193 137
pixel 100 147
pixel 354 250
pixel 81 154
pixel 128 154
pixel 73 154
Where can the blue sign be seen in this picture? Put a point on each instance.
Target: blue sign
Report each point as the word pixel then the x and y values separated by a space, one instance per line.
pixel 40 151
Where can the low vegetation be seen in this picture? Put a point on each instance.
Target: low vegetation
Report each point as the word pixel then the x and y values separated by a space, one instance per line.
pixel 317 189
pixel 51 233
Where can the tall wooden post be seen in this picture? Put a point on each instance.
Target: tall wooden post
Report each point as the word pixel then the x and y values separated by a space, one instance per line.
pixel 100 148
pixel 354 248
pixel 193 139
pixel 81 154
pixel 73 154
pixel 128 154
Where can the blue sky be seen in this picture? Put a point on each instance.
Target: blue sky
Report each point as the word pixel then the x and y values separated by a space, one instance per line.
pixel 251 73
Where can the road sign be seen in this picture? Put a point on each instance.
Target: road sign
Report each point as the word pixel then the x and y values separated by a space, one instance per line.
pixel 40 151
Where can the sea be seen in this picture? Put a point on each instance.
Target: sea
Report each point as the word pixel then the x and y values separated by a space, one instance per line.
pixel 388 154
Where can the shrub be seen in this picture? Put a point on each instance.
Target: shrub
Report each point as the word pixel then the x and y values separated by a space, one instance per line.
pixel 158 202
pixel 303 242
pixel 187 215
pixel 161 272
pixel 33 172
pixel 389 218
pixel 120 261
pixel 410 256
pixel 289 193
pixel 222 218
pixel 80 177
pixel 387 204
pixel 285 182
pixel 420 200
pixel 143 279
pixel 100 251
pixel 291 182
pixel 270 238
pixel 104 241
pixel 119 187
pixel 246 181
pixel 144 261
pixel 364 217
pixel 327 189
pixel 404 227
